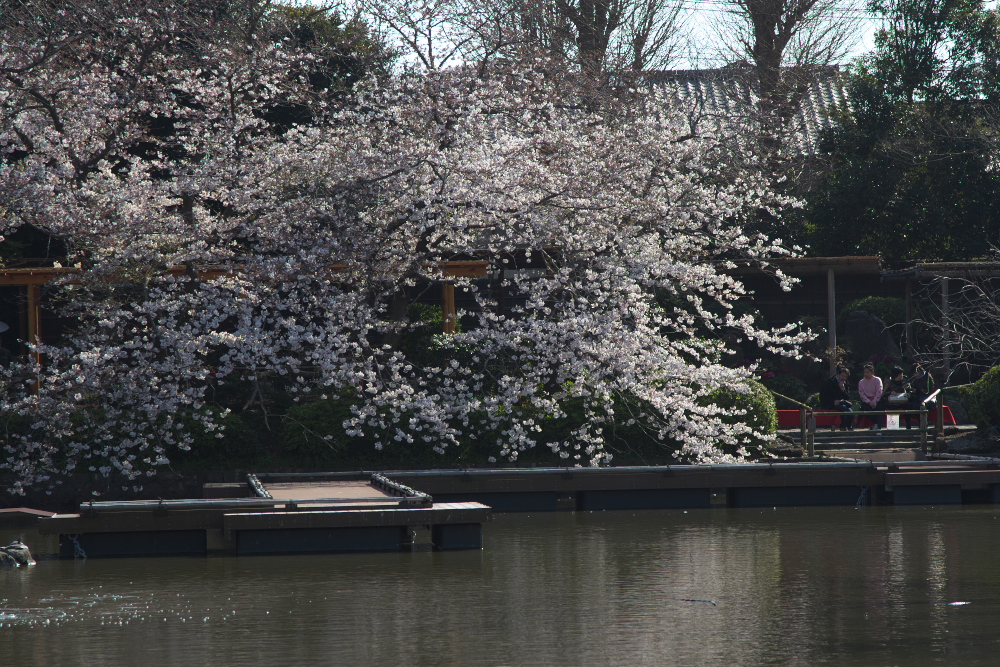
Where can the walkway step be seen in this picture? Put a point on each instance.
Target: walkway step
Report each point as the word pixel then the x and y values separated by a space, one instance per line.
pixel 862 439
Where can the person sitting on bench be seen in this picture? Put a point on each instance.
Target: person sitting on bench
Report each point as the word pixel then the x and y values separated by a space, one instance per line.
pixel 834 395
pixel 870 391
pixel 895 394
pixel 921 385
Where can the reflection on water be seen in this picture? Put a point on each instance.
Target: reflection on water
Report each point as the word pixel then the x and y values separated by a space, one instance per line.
pixel 800 586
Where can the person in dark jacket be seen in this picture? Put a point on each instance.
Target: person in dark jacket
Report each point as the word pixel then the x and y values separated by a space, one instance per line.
pixel 895 387
pixel 834 395
pixel 921 385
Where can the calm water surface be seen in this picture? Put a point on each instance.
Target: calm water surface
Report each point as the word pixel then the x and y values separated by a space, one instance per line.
pixel 791 586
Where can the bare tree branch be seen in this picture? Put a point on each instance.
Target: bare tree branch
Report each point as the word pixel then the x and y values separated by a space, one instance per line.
pixel 596 35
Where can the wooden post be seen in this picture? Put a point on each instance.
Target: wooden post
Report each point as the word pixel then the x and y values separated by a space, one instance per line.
pixel 501 291
pixel 35 318
pixel 923 428
pixel 803 427
pixel 811 447
pixel 940 414
pixel 909 319
pixel 831 316
pixel 448 311
pixel 22 328
pixel 946 364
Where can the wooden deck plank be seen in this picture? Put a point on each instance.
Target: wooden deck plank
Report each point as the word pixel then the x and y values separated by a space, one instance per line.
pixel 305 491
pixel 935 477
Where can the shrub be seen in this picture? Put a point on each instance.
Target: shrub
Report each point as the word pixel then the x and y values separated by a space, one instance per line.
pixel 313 432
pixel 983 399
pixel 306 428
pixel 632 443
pixel 758 402
pixel 239 445
pixel 314 436
pixel 891 310
pixel 884 364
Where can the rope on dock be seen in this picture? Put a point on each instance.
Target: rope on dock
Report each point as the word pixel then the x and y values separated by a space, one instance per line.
pixel 411 496
pixel 257 487
pixel 78 551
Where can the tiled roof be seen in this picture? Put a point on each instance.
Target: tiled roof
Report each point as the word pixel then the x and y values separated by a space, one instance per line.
pixel 732 92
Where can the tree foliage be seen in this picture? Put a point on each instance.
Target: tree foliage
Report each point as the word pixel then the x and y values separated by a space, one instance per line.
pixel 913 163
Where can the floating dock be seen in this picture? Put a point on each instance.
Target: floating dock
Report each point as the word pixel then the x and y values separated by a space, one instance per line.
pixel 308 513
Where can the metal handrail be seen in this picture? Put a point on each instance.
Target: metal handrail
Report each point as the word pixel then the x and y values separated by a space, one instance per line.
pixel 834 411
pixel 789 399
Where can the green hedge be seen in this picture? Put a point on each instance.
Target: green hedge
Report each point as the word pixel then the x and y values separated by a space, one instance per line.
pixel 983 399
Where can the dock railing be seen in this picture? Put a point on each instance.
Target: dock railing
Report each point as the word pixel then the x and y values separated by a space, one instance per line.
pixel 807 419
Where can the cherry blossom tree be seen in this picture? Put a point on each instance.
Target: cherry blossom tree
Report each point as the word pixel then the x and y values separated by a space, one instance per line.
pixel 233 251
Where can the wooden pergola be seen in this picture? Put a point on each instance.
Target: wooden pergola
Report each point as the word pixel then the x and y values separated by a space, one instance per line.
pixel 831 267
pixel 34 278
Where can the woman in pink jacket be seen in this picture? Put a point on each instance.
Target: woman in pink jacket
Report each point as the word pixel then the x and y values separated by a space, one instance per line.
pixel 870 391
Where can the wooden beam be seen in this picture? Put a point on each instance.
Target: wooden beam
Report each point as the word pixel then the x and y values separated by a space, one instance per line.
pixel 34 278
pixel 35 318
pixel 831 316
pixel 448 311
pixel 470 269
pixel 945 323
pixel 24 277
pixel 43 275
pixel 909 319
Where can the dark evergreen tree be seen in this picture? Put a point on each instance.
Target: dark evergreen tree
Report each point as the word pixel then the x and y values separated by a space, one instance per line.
pixel 913 164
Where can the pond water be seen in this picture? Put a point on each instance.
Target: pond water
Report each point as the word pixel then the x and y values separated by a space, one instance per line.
pixel 789 586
